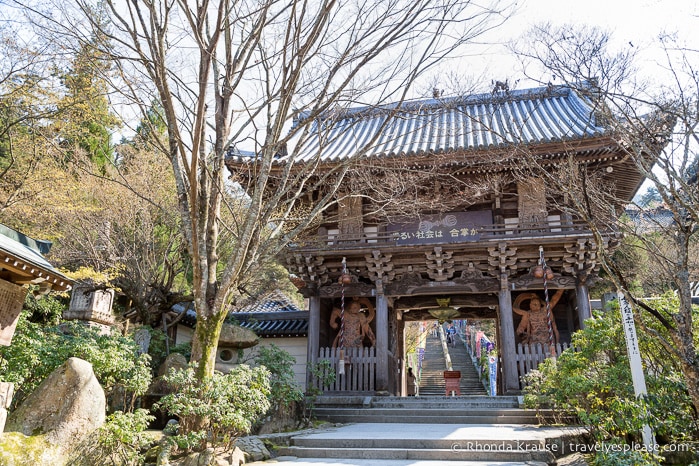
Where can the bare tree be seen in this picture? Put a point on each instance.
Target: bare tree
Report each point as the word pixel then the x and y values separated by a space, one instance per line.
pixel 256 76
pixel 656 123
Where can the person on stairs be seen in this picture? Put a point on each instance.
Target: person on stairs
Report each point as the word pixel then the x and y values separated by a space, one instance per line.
pixel 451 335
pixel 411 382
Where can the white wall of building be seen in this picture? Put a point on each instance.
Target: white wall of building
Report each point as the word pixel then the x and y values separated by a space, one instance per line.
pixel 295 346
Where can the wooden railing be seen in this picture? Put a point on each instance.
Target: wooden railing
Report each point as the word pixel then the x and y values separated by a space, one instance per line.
pixel 360 370
pixel 529 357
pixel 487 233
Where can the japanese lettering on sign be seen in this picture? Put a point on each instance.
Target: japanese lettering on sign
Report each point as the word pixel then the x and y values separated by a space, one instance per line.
pixel 451 227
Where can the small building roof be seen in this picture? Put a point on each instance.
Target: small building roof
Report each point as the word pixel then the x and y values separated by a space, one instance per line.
pixel 22 261
pixel 274 301
pixel 651 219
pixel 542 115
pixel 281 324
pixel 273 315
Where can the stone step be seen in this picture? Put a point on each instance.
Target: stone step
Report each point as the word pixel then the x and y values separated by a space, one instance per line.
pixel 350 415
pixel 473 442
pixel 445 402
pixel 484 444
pixel 539 455
pixel 425 403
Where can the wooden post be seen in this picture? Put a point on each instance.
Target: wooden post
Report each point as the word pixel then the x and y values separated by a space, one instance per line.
pixel 402 367
pixel 313 336
pixel 498 344
pixel 582 297
pixel 381 342
pixel 507 339
pixel 634 353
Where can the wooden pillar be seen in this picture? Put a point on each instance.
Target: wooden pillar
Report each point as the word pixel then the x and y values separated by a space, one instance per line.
pixel 582 297
pixel 507 339
pixel 399 355
pixel 382 376
pixel 313 336
pixel 498 344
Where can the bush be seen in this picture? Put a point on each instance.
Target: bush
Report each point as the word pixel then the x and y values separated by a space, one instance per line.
pixel 610 457
pixel 594 383
pixel 218 410
pixel 119 442
pixel 284 391
pixel 37 351
pixel 157 349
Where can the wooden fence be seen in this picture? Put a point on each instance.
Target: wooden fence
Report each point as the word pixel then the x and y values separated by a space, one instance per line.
pixel 360 370
pixel 529 357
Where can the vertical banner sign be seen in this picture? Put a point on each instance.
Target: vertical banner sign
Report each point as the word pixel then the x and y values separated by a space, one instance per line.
pixel 493 370
pixel 639 381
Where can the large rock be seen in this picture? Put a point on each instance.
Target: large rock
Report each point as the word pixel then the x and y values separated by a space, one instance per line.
pixel 173 361
pixel 65 408
pixel 235 336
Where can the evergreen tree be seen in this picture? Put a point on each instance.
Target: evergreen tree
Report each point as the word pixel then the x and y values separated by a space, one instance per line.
pixel 87 123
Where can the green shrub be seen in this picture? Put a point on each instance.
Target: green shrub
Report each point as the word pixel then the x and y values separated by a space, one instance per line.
pixel 37 351
pixel 608 454
pixel 594 383
pixel 217 410
pixel 45 310
pixel 284 391
pixel 121 441
pixel 158 350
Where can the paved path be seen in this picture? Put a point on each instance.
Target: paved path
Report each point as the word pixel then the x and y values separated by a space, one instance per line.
pixel 353 462
pixel 458 435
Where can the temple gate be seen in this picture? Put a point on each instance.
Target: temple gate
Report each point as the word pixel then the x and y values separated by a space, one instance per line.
pixel 478 227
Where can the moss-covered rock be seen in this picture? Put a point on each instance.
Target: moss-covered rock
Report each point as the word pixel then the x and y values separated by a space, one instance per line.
pixel 17 449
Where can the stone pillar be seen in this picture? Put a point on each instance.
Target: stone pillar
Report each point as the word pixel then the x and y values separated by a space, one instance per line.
pixel 507 339
pixel 382 376
pixel 91 306
pixel 313 336
pixel 6 392
pixel 582 297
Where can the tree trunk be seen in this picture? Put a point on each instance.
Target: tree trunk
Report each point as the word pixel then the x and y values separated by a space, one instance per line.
pixel 691 377
pixel 205 341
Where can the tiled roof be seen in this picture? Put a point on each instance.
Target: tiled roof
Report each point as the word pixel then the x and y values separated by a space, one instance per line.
pixel 278 326
pixel 190 317
pixel 650 220
pixel 443 125
pixel 273 315
pixel 26 253
pixel 274 301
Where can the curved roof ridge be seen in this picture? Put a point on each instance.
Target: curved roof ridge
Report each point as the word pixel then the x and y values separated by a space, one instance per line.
pixel 476 122
pixel 423 104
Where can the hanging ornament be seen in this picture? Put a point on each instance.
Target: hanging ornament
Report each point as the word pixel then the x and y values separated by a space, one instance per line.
pixel 343 282
pixel 538 271
pixel 549 273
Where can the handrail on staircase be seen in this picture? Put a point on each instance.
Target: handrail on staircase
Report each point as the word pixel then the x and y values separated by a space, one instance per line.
pixel 445 348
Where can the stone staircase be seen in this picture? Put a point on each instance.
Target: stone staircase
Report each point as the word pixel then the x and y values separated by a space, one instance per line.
pixel 470 383
pixel 433 366
pixel 438 443
pixel 435 363
pixel 468 410
pixel 433 428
